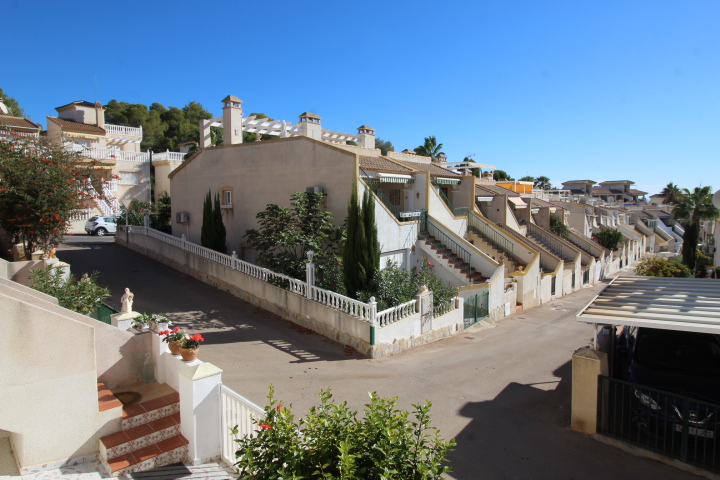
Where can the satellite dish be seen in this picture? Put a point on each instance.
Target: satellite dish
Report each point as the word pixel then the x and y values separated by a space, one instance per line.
pixel 716 199
pixel 4 109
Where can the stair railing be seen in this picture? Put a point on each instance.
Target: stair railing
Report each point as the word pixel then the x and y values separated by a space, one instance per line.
pixel 443 196
pixel 374 188
pixel 447 241
pixel 502 242
pixel 546 239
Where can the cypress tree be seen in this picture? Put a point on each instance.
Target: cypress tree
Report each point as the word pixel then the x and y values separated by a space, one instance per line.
pixel 371 239
pixel 218 227
pixel 350 272
pixel 206 221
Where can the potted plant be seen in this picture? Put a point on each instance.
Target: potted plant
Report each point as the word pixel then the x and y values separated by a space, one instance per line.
pixel 173 338
pixel 189 347
pixel 152 320
pixel 140 323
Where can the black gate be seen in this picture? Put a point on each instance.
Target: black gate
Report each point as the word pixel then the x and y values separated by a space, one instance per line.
pixel 678 426
pixel 475 309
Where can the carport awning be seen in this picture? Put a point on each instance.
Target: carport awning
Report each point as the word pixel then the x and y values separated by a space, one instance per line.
pixel 684 304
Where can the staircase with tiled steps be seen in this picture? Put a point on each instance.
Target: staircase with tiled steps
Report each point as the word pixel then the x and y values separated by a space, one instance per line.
pixel 453 261
pixel 150 438
pixel 483 244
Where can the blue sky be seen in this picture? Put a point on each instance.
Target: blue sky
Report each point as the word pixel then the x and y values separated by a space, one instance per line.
pixel 600 90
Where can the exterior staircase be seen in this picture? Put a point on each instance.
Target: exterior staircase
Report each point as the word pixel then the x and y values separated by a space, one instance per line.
pixel 453 261
pixel 150 438
pixel 475 237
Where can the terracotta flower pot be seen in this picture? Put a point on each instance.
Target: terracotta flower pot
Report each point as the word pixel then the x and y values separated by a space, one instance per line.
pixel 174 347
pixel 189 354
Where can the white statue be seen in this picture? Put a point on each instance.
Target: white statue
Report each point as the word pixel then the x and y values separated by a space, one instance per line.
pixel 127 301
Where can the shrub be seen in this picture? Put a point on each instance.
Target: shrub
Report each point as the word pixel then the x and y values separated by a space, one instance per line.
pixel 558 227
pixel 660 267
pixel 609 238
pixel 331 442
pixel 82 296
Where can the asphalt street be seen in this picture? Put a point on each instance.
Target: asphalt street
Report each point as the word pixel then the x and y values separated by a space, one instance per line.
pixel 503 393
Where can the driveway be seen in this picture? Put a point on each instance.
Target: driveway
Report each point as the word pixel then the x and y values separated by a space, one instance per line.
pixel 503 393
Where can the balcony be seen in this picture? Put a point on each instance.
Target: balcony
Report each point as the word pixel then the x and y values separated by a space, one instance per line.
pixel 121 130
pixel 170 156
pixel 114 155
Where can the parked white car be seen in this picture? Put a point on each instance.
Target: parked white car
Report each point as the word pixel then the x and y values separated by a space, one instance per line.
pixel 101 226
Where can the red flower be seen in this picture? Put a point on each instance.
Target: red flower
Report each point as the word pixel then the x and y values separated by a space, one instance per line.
pixel 176 329
pixel 264 426
pixel 77 291
pixel 279 407
pixel 430 264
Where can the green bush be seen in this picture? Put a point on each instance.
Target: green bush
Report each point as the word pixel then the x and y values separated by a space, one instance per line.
pixel 394 285
pixel 331 442
pixel 660 267
pixel 558 227
pixel 609 238
pixel 82 296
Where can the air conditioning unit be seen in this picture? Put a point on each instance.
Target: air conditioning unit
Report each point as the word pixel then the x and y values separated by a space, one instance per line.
pixel 182 217
pixel 314 190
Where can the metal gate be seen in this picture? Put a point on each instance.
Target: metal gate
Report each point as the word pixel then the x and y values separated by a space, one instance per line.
pixel 104 311
pixel 674 425
pixel 475 309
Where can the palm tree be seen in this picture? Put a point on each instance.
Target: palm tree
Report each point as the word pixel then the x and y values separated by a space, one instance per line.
pixel 692 208
pixel 430 149
pixel 543 183
pixel 671 193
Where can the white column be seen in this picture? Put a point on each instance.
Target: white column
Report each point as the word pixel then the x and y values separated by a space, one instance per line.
pixel 200 411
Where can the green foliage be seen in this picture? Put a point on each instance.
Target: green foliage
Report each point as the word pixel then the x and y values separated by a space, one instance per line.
pixel 82 296
pixel 212 230
pixel 284 236
pixel 527 178
pixel 12 104
pixel 331 442
pixel 430 148
pixel 159 214
pixel 206 227
pixel 40 185
pixel 671 193
pixel 393 285
pixel 384 146
pixel 543 183
pixel 661 267
pixel 609 238
pixel 693 208
pixel 473 171
pixel 163 219
pixel 702 262
pixel 163 128
pixel 219 232
pixel 501 175
pixel 361 255
pixel 558 227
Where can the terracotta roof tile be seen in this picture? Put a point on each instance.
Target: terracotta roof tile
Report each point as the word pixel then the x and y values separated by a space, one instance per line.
pixel 434 170
pixel 12 121
pixel 379 164
pixel 72 126
pixel 494 190
pixel 632 191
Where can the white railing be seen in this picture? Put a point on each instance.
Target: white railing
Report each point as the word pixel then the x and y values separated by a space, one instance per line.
pixel 112 201
pixel 104 206
pixel 393 314
pixel 10 134
pixel 122 130
pixel 80 214
pixel 235 410
pixel 353 307
pixel 172 156
pixel 111 154
pixel 447 307
pixel 110 186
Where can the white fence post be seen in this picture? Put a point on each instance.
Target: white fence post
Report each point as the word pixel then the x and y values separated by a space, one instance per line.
pixel 309 279
pixel 200 411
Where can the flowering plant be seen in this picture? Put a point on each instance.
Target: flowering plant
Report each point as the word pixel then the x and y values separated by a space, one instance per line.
pixel 174 335
pixel 192 341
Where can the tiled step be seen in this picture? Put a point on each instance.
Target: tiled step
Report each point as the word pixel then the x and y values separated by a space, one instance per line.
pixel 106 399
pixel 126 441
pixel 146 412
pixel 206 471
pixel 165 452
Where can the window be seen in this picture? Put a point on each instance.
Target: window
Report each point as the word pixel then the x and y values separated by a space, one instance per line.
pixel 129 178
pixel 227 197
pixel 395 197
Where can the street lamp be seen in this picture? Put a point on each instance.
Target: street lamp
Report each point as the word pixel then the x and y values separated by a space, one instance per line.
pixel 310 255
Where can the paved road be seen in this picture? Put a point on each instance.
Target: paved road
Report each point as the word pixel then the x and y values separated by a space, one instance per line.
pixel 503 393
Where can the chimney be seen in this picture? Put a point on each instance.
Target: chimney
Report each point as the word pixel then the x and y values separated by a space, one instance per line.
pixel 100 114
pixel 366 136
pixel 310 126
pixel 232 120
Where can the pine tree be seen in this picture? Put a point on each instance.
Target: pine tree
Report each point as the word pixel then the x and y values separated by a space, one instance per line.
pixel 361 256
pixel 350 264
pixel 371 236
pixel 206 227
pixel 218 227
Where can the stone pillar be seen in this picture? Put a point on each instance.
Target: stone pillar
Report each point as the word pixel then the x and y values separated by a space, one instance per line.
pixel 424 306
pixel 587 365
pixel 200 411
pixel 205 137
pixel 309 278
pixel 366 136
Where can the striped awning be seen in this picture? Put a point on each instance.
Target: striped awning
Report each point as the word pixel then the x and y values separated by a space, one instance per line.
pixel 447 181
pixel 682 304
pixel 83 135
pixel 484 199
pixel 395 178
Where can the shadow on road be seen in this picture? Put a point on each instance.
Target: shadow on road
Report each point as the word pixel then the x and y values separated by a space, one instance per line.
pixel 192 304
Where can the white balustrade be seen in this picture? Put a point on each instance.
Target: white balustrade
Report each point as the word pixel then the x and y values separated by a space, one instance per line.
pixel 111 186
pixel 112 154
pixel 171 156
pixel 80 214
pixel 123 130
pixel 236 410
pixel 393 314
